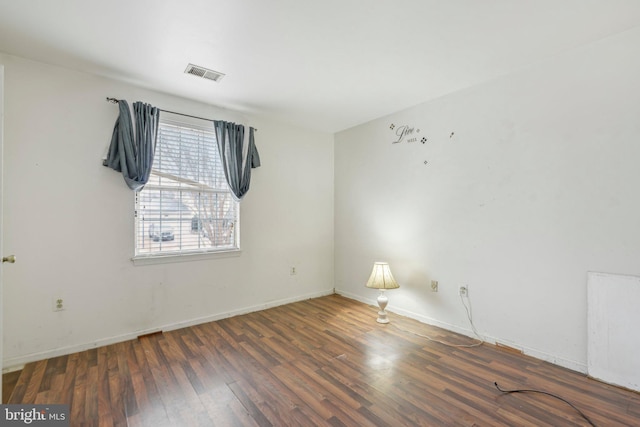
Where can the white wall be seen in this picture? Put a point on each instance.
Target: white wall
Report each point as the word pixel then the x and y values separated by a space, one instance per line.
pixel 539 184
pixel 69 220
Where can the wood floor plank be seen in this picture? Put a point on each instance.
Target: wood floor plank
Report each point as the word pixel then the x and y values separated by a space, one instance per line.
pixel 323 361
pixel 9 383
pixel 224 409
pixel 79 389
pixel 251 404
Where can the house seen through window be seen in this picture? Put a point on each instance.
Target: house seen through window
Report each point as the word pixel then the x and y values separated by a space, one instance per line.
pixel 186 207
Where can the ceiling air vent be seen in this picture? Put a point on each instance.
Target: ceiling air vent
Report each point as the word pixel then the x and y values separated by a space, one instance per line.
pixel 205 73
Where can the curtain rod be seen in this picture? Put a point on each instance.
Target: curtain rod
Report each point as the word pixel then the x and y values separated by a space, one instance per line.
pixel 115 101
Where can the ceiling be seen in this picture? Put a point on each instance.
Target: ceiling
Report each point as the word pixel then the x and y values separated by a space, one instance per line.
pixel 326 64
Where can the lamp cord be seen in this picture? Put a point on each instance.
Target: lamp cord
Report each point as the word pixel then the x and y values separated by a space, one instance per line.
pixel 468 310
pixel 548 394
pixel 480 339
pixel 477 344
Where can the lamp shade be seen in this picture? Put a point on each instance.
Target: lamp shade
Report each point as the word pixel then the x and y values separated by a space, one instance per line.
pixel 381 277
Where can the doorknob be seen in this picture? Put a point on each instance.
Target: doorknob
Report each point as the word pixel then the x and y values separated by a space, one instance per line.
pixel 10 259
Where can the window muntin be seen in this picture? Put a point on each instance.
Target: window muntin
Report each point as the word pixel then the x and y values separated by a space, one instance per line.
pixel 186 207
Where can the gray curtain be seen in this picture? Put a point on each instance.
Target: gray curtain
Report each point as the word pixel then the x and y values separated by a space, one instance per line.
pixel 133 143
pixel 237 160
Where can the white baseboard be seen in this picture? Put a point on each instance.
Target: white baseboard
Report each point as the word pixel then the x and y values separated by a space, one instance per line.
pixel 556 360
pixel 18 362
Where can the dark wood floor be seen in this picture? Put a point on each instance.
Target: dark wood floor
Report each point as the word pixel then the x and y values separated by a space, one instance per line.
pixel 323 361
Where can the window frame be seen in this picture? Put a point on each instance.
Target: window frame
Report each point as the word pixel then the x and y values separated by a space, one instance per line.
pixel 180 254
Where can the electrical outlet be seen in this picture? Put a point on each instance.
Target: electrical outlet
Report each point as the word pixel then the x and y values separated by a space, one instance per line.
pixel 58 304
pixel 463 291
pixel 434 286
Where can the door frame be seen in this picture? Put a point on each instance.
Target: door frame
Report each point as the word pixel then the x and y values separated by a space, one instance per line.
pixel 1 221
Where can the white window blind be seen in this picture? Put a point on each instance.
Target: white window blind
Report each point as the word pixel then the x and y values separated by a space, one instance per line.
pixel 186 207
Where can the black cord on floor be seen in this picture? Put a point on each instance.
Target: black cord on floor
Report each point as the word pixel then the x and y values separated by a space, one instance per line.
pixel 548 394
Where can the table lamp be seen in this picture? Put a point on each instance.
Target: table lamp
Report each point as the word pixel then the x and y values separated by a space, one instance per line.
pixel 381 278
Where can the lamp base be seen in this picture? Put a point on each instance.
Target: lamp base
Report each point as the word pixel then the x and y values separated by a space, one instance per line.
pixel 382 317
pixel 382 303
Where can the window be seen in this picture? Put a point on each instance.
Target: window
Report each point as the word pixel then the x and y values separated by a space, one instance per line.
pixel 186 207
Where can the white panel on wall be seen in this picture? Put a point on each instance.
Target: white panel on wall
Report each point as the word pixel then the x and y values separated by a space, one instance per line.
pixel 613 346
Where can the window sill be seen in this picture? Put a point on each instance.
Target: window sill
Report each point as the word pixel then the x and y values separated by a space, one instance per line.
pixel 194 256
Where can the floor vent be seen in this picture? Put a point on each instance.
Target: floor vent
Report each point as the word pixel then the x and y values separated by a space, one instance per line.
pixel 508 349
pixel 150 334
pixel 205 73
